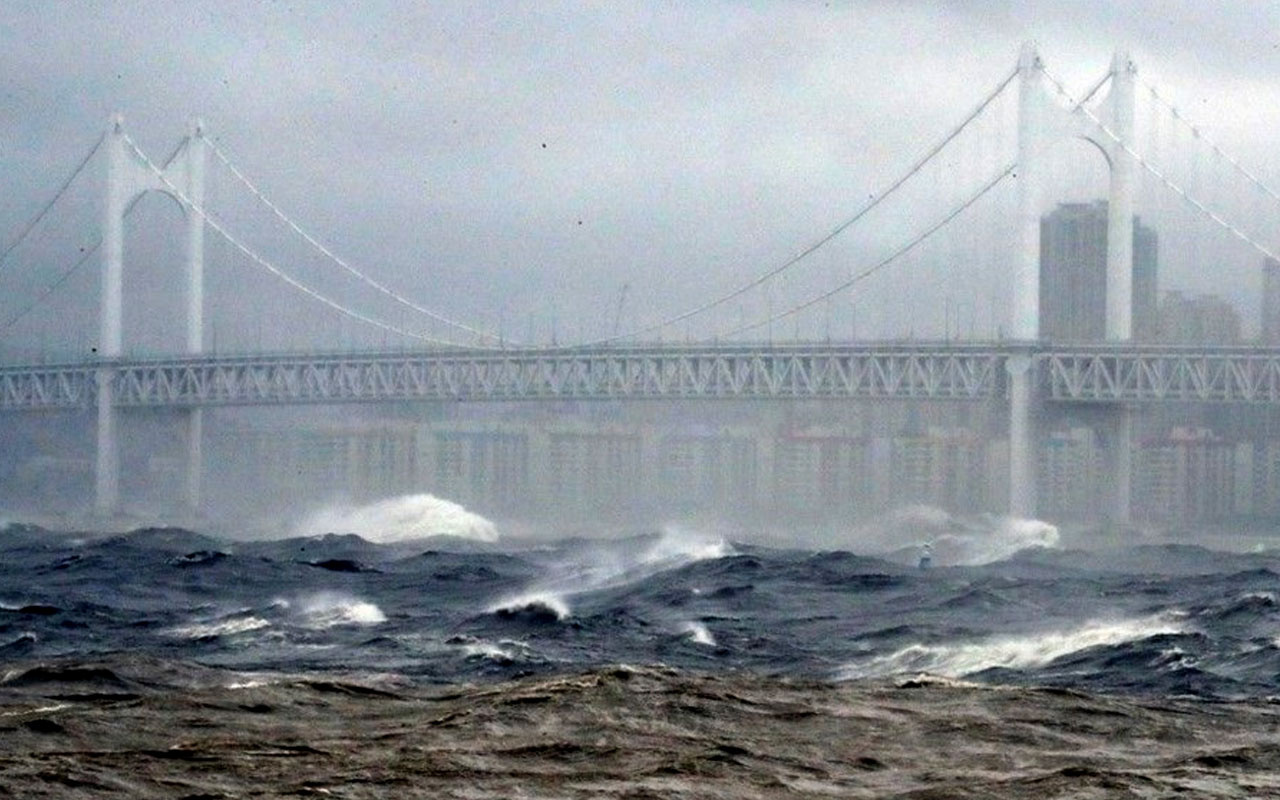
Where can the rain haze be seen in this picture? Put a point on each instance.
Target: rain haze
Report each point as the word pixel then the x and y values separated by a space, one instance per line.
pixel 513 167
pixel 711 399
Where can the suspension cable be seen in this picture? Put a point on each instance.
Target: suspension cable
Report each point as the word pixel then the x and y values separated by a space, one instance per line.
pixel 892 257
pixel 86 254
pixel 905 249
pixel 47 207
pixel 1200 134
pixel 1160 176
pixel 272 268
pixel 809 250
pixel 325 251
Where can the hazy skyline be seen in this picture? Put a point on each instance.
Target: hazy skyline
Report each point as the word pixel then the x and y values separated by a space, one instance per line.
pixel 499 162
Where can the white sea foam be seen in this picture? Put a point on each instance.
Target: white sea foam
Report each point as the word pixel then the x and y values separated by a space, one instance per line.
pixel 397 519
pixel 698 633
pixel 37 710
pixel 328 609
pixel 1013 652
pixel 224 627
pixel 504 651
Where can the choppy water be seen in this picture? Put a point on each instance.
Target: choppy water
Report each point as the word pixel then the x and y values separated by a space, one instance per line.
pixel 1166 619
pixel 90 619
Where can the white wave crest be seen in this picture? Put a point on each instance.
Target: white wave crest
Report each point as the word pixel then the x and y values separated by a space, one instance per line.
pixel 614 564
pixel 954 540
pixel 328 609
pixel 1008 536
pixel 610 564
pixel 225 627
pixel 698 633
pixel 1014 652
pixel 533 602
pixel 398 519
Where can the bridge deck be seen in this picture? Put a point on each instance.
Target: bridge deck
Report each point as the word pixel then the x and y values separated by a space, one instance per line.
pixel 925 370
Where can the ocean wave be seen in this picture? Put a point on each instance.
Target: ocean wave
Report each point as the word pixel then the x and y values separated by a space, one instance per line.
pixel 532 607
pixel 219 628
pixel 698 633
pixel 331 609
pixel 1013 652
pixel 403 518
pixel 954 540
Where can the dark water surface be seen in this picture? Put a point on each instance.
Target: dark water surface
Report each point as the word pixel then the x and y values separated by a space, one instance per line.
pixel 167 663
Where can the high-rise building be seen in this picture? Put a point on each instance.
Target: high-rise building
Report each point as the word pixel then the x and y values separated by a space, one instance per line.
pixel 1073 275
pixel 1271 301
pixel 1198 319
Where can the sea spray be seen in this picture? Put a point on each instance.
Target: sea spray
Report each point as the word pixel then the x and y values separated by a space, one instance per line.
pixel 952 540
pixel 397 519
pixel 698 633
pixel 615 563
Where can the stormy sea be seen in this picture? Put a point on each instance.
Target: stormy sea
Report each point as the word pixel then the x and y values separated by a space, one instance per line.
pixel 929 657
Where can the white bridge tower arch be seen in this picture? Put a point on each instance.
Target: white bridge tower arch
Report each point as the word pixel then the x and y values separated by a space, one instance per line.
pixel 128 178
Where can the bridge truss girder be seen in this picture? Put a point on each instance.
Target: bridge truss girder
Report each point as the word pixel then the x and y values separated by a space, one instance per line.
pixel 1103 374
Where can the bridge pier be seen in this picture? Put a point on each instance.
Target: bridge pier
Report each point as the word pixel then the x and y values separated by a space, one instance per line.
pixel 1022 436
pixel 195 460
pixel 107 463
pixel 1117 451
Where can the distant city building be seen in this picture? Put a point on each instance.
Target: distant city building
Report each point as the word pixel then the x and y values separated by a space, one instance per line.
pixel 942 468
pixel 818 470
pixel 1185 476
pixel 1271 301
pixel 1073 275
pixel 1070 465
pixel 716 466
pixel 1198 319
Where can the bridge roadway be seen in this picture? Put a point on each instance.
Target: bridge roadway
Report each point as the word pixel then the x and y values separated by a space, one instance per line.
pixel 1126 373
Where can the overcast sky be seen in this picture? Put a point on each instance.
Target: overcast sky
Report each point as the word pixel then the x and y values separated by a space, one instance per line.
pixel 515 163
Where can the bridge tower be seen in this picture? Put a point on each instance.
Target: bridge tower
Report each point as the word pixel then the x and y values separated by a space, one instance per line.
pixel 128 178
pixel 1041 121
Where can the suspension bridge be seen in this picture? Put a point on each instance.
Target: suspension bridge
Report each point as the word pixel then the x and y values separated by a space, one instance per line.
pixel 1013 364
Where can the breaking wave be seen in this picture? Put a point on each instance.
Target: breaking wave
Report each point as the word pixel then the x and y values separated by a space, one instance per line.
pixel 329 609
pixel 403 518
pixel 532 607
pixel 698 633
pixel 219 628
pixel 1015 652
pixel 954 540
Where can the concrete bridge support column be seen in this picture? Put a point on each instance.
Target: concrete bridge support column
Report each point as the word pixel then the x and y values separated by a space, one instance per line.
pixel 110 341
pixel 107 465
pixel 1022 437
pixel 1117 450
pixel 1026 287
pixel 195 459
pixel 1120 271
pixel 195 163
